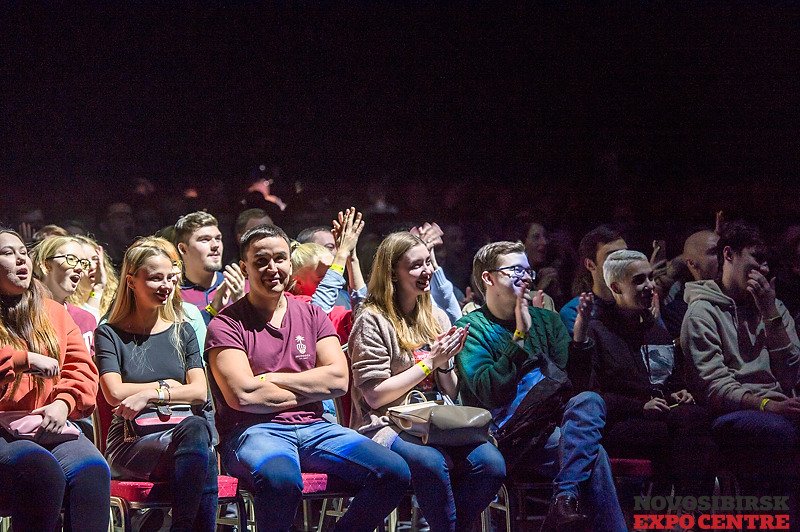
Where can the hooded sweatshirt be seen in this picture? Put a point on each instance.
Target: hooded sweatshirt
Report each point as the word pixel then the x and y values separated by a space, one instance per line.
pixel 728 347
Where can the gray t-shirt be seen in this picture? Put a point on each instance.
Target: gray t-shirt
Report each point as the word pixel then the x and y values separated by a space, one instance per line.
pixel 146 358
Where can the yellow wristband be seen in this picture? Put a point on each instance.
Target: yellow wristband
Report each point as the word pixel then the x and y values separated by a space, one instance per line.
pixel 211 310
pixel 426 369
pixel 519 335
pixel 338 268
pixel 763 404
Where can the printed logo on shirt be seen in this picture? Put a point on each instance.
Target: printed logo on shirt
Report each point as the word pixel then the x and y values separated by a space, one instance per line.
pixel 301 347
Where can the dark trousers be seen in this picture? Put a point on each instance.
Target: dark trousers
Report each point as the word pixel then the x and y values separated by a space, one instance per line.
pixel 182 457
pixel 762 450
pixel 678 442
pixel 36 481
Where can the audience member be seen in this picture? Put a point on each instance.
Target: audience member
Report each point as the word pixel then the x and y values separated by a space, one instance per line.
pixel 593 249
pixel 117 230
pixel 273 359
pixel 401 342
pixel 700 257
pixel 148 359
pixel 513 348
pixel 640 376
pixel 746 352
pixel 45 369
pixel 97 288
pixel 205 283
pixel 60 263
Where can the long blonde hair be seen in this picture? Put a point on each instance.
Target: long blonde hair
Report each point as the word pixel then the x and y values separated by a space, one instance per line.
pixel 81 295
pixel 25 324
pixel 421 326
pixel 125 304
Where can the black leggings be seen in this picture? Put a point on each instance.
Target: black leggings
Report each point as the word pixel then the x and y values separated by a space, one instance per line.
pixel 36 481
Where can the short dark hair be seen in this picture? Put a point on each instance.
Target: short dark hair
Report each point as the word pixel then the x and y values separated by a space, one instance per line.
pixel 261 231
pixel 737 235
pixel 247 215
pixel 587 249
pixel 305 236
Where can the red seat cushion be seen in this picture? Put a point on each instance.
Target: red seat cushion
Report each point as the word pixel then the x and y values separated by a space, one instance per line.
pixel 314 482
pixel 632 467
pixel 136 491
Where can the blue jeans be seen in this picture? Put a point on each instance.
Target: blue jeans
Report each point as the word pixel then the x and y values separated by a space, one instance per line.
pixel 578 463
pixel 268 458
pixel 762 449
pixel 37 480
pixel 453 484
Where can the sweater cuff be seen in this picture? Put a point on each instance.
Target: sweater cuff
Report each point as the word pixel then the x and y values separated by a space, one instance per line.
pixel 67 398
pixel 20 359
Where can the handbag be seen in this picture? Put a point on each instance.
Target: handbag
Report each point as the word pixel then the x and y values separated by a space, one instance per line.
pixel 537 416
pixel 22 425
pixel 155 419
pixel 437 423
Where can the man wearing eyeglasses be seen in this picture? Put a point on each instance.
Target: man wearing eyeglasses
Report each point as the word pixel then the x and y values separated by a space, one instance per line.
pixel 513 364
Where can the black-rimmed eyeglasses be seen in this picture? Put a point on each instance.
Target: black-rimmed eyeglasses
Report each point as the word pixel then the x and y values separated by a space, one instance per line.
pixel 517 272
pixel 72 261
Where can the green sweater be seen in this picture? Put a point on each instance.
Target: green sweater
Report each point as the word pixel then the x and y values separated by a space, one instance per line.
pixel 491 363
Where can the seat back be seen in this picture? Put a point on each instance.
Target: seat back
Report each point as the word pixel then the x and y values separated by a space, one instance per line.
pixel 101 421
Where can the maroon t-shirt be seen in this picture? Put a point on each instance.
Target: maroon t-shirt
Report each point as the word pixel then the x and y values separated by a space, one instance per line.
pixel 86 322
pixel 291 348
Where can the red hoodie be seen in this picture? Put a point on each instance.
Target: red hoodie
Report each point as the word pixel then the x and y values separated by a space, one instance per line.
pixel 77 384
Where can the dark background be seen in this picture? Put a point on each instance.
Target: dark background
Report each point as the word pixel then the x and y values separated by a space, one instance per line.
pixel 651 102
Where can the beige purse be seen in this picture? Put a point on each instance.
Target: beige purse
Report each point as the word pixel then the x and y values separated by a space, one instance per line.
pixel 437 423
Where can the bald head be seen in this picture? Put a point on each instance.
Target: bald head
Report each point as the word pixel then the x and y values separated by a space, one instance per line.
pixel 700 254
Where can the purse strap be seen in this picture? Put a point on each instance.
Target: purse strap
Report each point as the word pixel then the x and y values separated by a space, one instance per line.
pixel 411 395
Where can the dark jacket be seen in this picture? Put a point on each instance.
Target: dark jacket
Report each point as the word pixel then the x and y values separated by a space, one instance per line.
pixel 619 371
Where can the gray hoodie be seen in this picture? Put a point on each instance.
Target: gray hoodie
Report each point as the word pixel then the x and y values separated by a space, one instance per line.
pixel 730 350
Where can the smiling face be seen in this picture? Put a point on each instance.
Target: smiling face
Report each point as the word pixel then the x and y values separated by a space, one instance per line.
pixel 154 282
pixel 267 266
pixel 15 266
pixel 502 285
pixel 635 290
pixel 61 278
pixel 204 249
pixel 307 279
pixel 739 264
pixel 414 271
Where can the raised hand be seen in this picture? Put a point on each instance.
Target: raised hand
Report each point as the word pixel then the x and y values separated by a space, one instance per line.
pixel 235 278
pixel 581 328
pixel 430 233
pixel 347 229
pixel 521 313
pixel 763 293
pixel 447 345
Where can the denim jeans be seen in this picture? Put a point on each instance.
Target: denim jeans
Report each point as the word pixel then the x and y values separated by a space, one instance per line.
pixel 268 458
pixel 453 484
pixel 762 449
pixel 578 463
pixel 37 480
